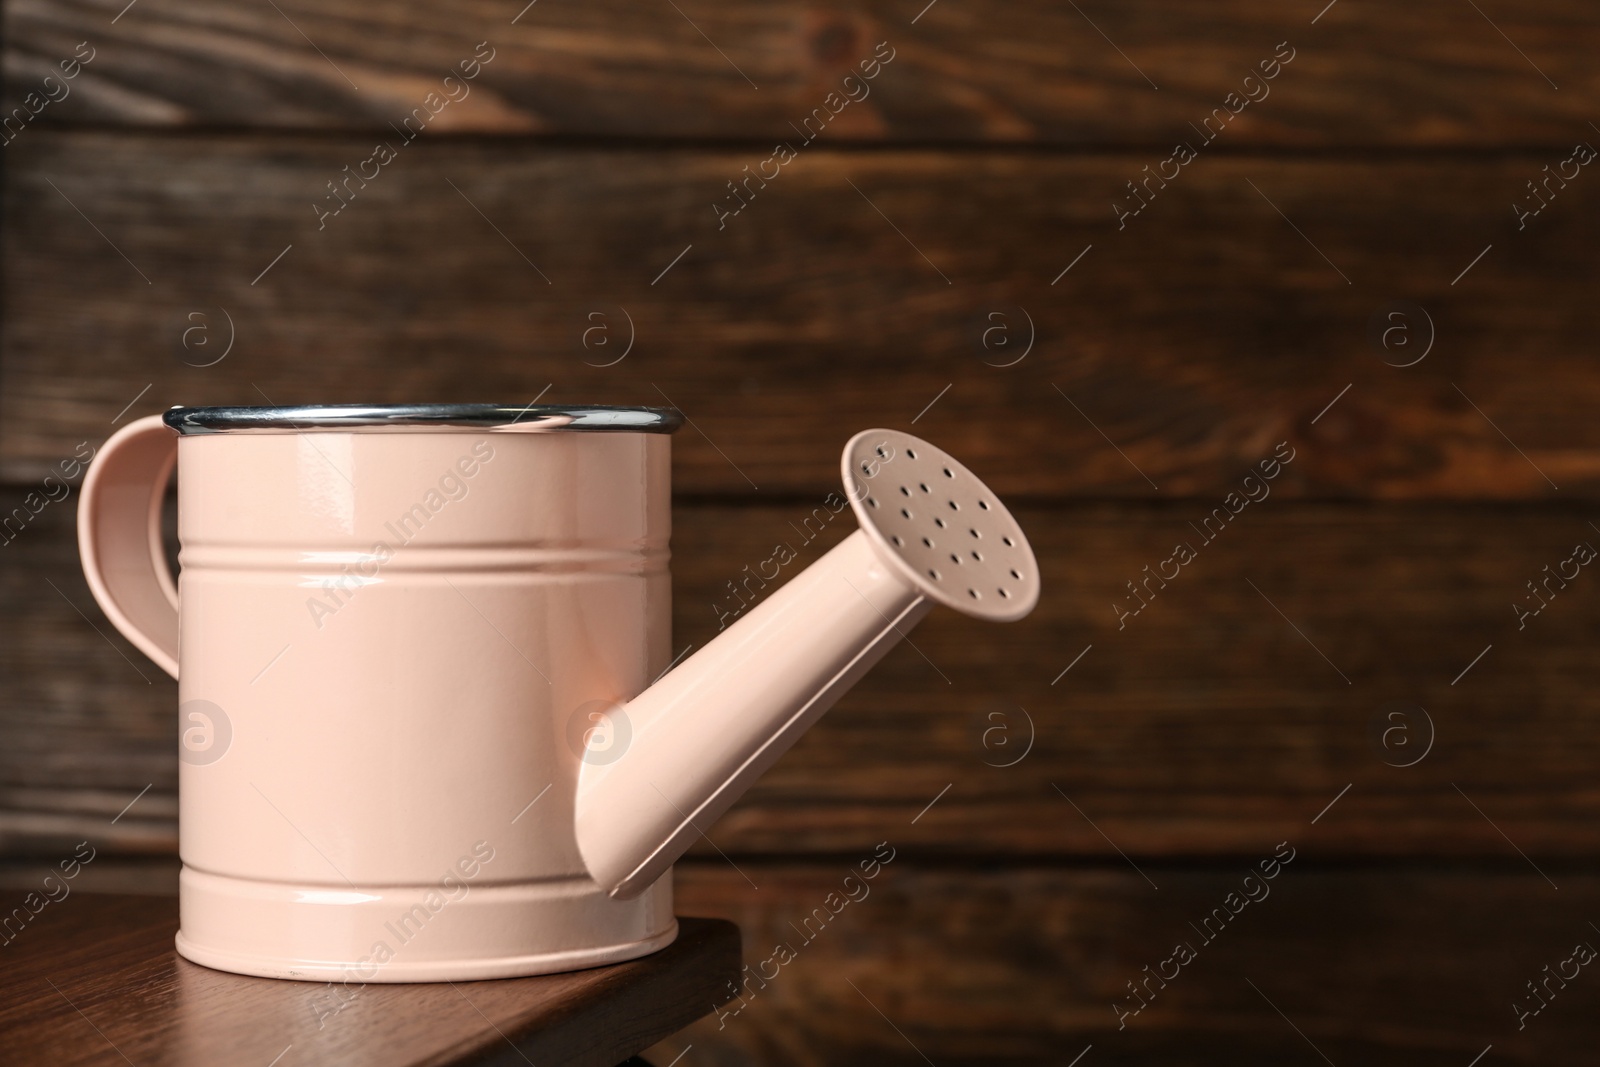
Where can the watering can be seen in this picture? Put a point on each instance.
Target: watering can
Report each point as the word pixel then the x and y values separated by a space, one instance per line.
pixel 430 723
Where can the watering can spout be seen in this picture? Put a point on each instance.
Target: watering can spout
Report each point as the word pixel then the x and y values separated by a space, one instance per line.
pixel 690 745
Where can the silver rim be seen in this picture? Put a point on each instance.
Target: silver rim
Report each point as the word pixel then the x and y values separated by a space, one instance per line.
pixel 413 417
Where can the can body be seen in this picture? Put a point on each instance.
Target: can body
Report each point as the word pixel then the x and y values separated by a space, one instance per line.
pixel 395 650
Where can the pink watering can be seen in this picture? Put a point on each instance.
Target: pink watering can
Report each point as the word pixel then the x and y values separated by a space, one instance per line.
pixel 428 729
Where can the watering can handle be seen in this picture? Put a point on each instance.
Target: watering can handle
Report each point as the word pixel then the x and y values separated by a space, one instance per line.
pixel 119 537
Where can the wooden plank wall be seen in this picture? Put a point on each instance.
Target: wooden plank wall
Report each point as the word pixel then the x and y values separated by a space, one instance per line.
pixel 946 253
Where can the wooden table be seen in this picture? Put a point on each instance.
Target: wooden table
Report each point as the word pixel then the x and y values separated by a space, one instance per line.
pixel 94 979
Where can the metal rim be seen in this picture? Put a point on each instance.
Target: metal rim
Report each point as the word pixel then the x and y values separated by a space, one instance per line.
pixel 413 417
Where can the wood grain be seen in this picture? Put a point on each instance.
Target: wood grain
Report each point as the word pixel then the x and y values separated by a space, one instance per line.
pixel 1039 780
pixel 1022 966
pixel 94 977
pixel 1364 74
pixel 1206 725
pixel 1173 355
pixel 1383 963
